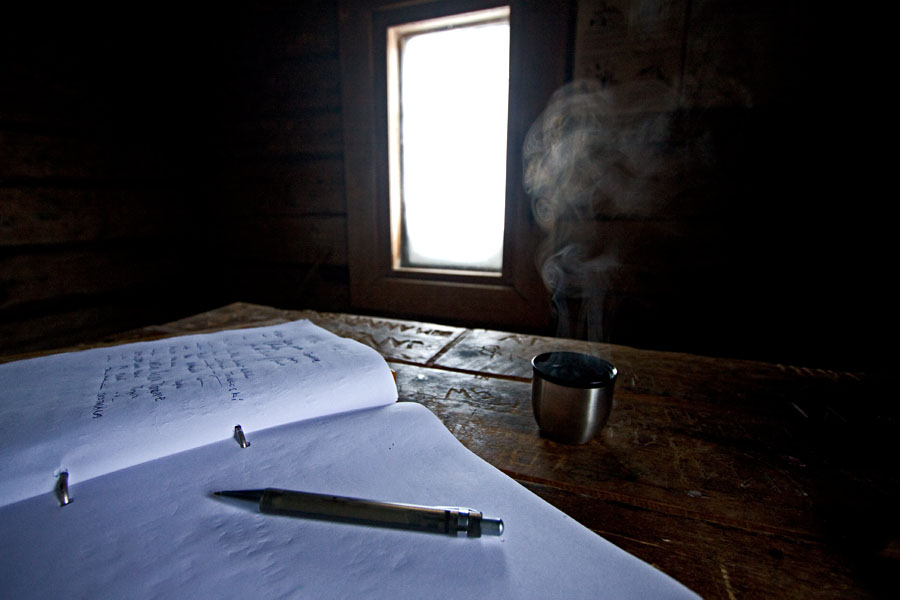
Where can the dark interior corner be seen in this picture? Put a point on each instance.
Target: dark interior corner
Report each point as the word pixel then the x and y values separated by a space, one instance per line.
pixel 156 162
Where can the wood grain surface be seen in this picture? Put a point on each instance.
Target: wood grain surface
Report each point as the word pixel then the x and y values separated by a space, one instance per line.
pixel 740 479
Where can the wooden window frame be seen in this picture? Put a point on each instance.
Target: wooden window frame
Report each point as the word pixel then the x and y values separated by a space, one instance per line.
pixel 539 64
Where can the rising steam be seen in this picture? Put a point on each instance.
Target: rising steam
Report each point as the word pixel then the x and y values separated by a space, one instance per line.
pixel 593 155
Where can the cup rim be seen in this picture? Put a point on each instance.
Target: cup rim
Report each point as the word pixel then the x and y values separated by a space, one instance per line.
pixel 587 381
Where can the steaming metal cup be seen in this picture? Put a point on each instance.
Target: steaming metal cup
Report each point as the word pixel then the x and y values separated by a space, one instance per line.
pixel 571 394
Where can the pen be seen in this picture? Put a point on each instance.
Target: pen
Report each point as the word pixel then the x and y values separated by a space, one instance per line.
pixel 432 519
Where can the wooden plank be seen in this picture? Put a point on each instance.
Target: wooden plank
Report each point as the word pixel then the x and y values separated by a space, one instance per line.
pixel 51 215
pixel 236 315
pixel 316 133
pixel 81 155
pixel 292 86
pixel 718 561
pixel 689 377
pixel 649 240
pixel 395 339
pixel 307 239
pixel 310 286
pixel 293 29
pixel 41 156
pixel 720 72
pixel 647 264
pixel 53 275
pixel 300 185
pixel 623 45
pixel 38 98
pixel 71 324
pixel 741 466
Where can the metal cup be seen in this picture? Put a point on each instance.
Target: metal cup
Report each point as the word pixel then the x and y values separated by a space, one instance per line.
pixel 571 394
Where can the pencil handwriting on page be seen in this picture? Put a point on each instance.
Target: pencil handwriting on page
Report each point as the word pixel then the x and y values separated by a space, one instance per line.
pixel 151 374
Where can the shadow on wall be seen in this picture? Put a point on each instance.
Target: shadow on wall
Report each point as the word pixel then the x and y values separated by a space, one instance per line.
pixel 704 230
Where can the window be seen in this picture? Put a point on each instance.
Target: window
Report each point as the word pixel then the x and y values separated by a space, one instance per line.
pixel 448 84
pixel 496 285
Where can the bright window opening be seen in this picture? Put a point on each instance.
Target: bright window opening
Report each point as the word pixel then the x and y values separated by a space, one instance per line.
pixel 448 87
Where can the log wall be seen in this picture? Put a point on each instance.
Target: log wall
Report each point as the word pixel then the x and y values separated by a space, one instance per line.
pixel 161 160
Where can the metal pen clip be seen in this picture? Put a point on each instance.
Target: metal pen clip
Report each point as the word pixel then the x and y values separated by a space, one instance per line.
pixel 62 488
pixel 239 436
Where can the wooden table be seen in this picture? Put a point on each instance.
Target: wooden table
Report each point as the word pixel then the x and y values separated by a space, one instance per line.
pixel 740 479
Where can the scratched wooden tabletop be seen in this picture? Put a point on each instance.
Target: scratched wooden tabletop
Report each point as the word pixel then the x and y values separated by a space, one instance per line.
pixel 740 479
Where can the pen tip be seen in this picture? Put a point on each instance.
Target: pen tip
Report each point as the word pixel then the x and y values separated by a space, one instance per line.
pixel 252 495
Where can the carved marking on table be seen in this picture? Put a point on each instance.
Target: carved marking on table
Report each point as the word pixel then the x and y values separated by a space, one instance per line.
pixel 371 340
pixel 826 373
pixel 521 340
pixel 468 393
pixel 490 351
pixel 643 438
pixel 727 581
pixel 561 463
pixel 439 332
pixel 407 343
pixel 518 457
pixel 494 351
pixel 392 326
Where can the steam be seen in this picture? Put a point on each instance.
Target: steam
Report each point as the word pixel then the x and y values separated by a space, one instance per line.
pixel 595 154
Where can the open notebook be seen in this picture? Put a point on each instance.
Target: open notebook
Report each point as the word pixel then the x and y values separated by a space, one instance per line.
pixel 145 433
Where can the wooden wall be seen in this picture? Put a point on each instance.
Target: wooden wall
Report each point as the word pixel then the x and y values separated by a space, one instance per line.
pixel 160 160
pixel 747 222
pixel 97 198
pixel 279 190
